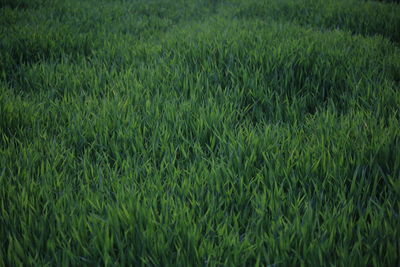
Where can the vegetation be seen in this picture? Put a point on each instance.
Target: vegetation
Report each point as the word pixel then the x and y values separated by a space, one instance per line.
pixel 199 133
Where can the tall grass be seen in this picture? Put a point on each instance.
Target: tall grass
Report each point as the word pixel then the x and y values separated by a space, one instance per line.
pixel 200 133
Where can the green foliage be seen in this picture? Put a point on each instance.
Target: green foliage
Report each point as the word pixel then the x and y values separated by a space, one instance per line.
pixel 356 16
pixel 199 133
pixel 21 4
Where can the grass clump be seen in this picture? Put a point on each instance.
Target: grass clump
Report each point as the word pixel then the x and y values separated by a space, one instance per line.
pixel 188 133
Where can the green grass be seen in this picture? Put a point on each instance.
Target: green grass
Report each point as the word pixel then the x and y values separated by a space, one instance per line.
pixel 199 133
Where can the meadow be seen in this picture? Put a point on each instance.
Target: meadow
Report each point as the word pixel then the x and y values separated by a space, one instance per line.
pixel 199 133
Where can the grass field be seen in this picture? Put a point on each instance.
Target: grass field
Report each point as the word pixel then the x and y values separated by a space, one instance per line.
pixel 199 133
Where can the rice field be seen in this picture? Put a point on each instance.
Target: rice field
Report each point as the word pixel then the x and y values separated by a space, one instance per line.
pixel 199 133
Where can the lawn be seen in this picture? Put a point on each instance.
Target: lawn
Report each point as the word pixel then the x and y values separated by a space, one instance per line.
pixel 199 133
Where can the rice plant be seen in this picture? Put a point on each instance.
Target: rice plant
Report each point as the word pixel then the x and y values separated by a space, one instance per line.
pixel 199 133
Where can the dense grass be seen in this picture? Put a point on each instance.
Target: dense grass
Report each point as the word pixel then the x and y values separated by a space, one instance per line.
pixel 199 133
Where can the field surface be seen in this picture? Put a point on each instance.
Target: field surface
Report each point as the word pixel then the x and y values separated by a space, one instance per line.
pixel 199 133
